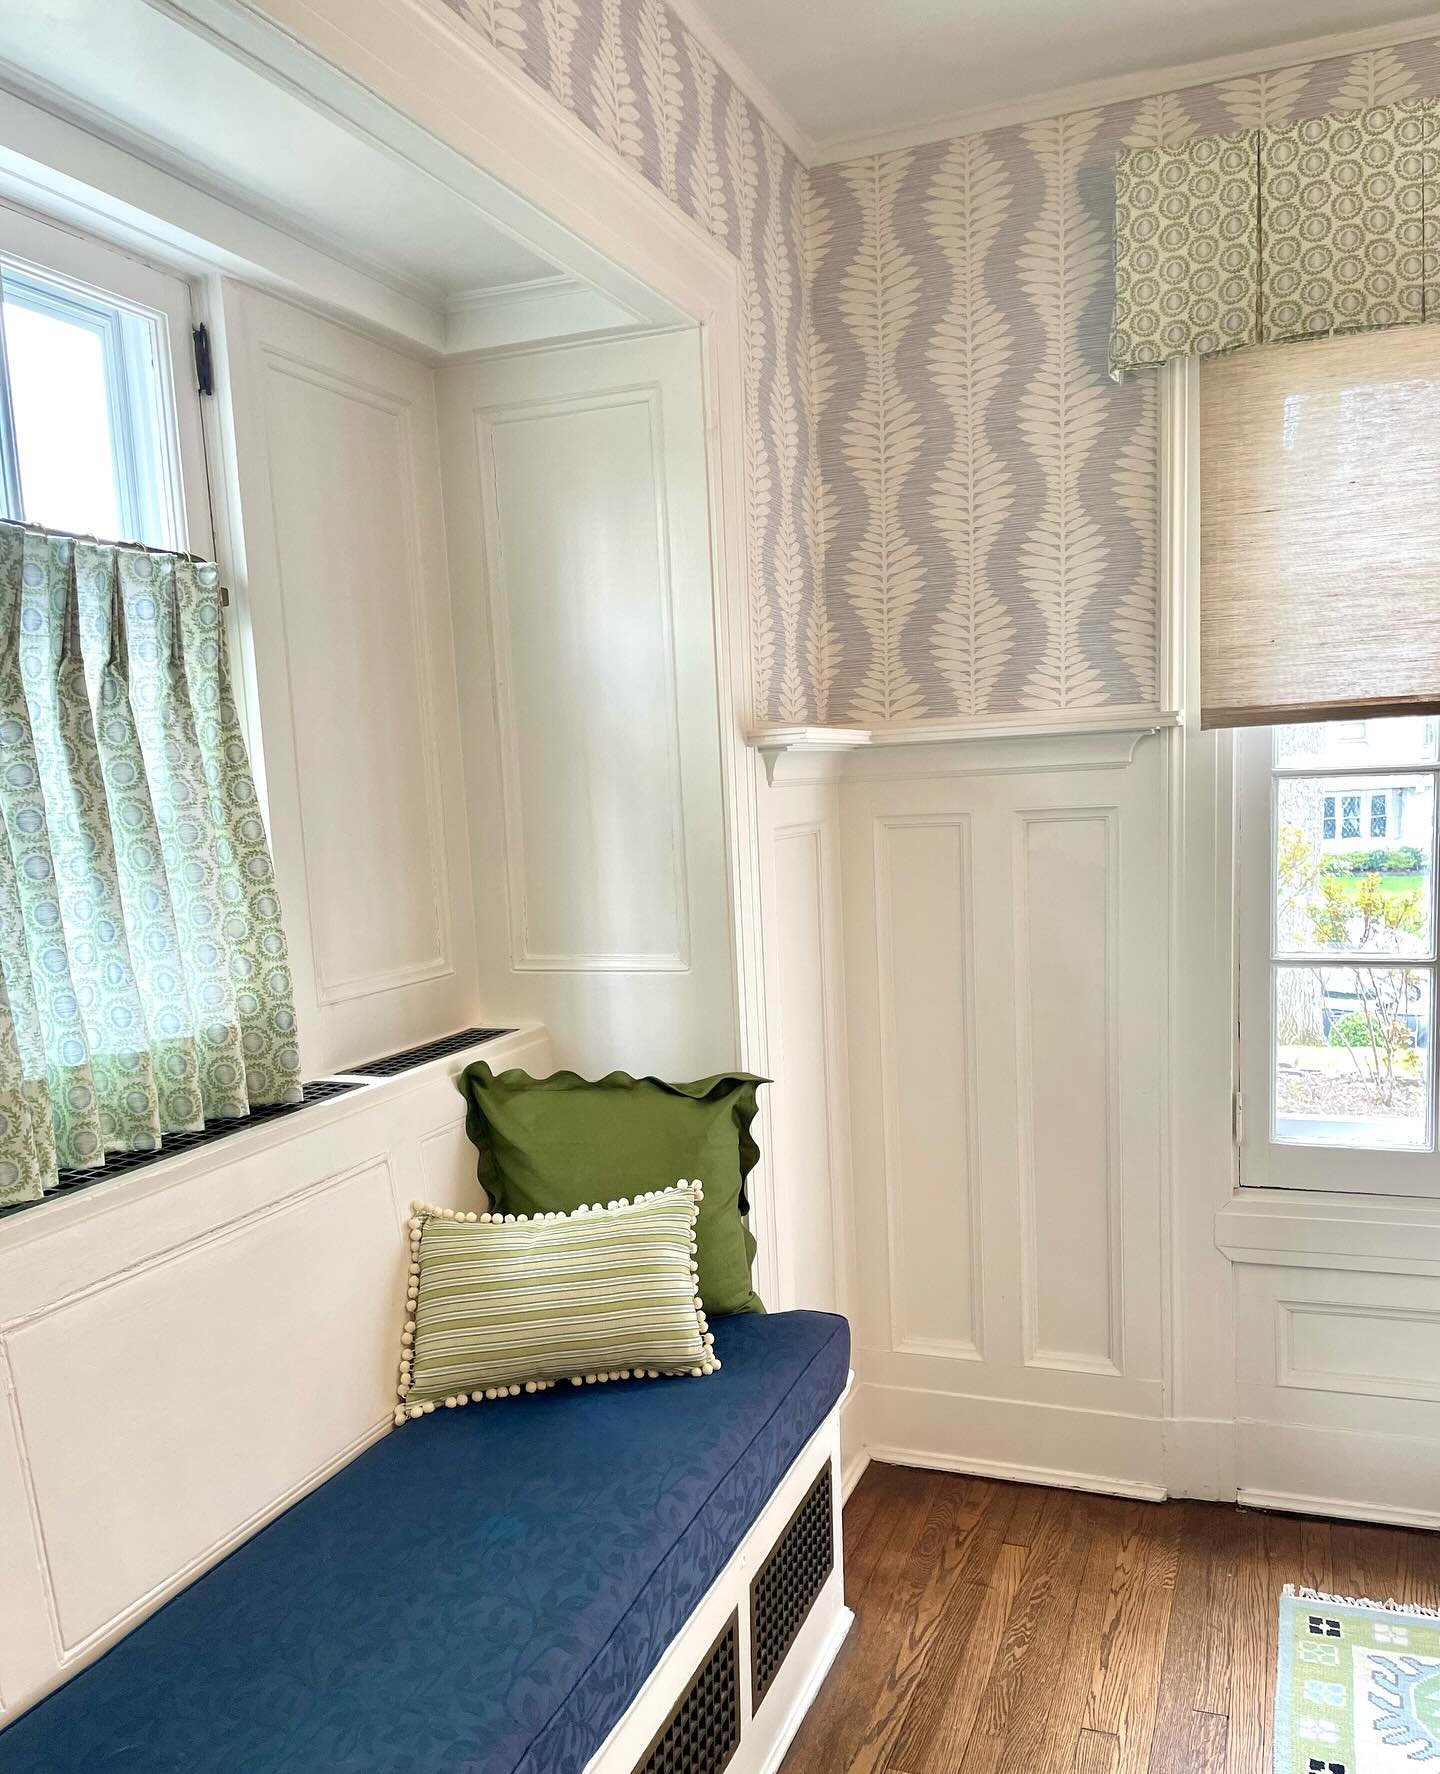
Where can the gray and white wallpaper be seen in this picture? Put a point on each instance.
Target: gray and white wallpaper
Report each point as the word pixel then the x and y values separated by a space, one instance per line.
pixel 953 509
pixel 990 498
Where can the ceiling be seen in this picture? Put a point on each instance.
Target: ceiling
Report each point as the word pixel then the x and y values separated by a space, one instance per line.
pixel 851 76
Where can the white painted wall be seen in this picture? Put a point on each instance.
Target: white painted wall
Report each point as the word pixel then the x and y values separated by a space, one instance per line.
pixel 576 494
pixel 185 1350
pixel 338 547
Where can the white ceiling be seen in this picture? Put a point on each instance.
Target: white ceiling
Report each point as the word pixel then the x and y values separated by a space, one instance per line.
pixel 851 76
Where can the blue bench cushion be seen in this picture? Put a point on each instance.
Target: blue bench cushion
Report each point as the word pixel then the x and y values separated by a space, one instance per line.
pixel 482 1592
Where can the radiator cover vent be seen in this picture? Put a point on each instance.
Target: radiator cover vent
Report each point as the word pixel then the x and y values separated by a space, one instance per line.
pixel 703 1732
pixel 785 1587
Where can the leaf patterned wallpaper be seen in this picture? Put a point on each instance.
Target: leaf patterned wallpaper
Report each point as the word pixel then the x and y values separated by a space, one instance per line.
pixel 989 503
pixel 953 510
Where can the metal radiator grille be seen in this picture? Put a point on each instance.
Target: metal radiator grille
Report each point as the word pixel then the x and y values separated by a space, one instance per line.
pixel 117 1163
pixel 703 1732
pixel 785 1587
pixel 391 1063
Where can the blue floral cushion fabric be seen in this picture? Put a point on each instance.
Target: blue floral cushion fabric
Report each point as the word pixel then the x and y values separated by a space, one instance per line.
pixel 484 1593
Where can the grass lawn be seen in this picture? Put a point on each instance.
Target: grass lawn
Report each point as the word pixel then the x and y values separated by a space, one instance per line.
pixel 1389 884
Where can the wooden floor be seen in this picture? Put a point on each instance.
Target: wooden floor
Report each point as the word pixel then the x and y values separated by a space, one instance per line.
pixel 1006 1627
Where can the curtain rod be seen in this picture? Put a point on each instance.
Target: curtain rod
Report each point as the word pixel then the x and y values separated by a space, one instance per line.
pixel 199 560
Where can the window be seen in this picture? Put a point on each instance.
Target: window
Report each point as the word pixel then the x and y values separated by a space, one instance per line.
pixel 1338 955
pixel 99 422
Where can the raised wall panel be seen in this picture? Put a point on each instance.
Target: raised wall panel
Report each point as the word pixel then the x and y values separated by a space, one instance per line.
pixel 336 532
pixel 924 927
pixel 578 515
pixel 146 1379
pixel 342 477
pixel 589 735
pixel 801 1098
pixel 1066 911
pixel 1375 1350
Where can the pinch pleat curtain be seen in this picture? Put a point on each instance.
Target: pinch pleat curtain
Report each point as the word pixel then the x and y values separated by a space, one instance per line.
pixel 145 985
pixel 1265 236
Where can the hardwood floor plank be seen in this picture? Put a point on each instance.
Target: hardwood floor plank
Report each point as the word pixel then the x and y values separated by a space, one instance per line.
pixel 941 1719
pixel 1270 1559
pixel 1029 1506
pixel 1051 1569
pixel 1207 1744
pixel 961 1538
pixel 1124 1694
pixel 1420 1583
pixel 1096 1752
pixel 838 1717
pixel 1199 1610
pixel 1005 1629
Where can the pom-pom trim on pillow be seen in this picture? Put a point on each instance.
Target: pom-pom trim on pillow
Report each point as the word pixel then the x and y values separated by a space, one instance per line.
pixel 422 1212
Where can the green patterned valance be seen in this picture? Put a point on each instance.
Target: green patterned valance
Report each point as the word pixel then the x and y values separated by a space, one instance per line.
pixel 1270 235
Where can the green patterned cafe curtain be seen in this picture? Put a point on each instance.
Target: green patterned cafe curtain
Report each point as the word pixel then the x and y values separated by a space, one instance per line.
pixel 145 983
pixel 1270 235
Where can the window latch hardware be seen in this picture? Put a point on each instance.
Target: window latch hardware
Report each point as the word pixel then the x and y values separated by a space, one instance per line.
pixel 204 372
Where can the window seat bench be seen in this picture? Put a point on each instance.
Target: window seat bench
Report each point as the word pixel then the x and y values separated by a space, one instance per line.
pixel 527 1587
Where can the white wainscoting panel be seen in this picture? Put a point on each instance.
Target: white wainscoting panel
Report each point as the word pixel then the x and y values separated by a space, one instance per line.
pixel 1068 1065
pixel 805 1118
pixel 924 917
pixel 1004 968
pixel 582 609
pixel 1338 1395
pixel 578 515
pixel 186 1356
pixel 186 1349
pixel 347 593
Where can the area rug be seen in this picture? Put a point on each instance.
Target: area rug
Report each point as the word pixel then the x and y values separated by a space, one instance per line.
pixel 1358 1687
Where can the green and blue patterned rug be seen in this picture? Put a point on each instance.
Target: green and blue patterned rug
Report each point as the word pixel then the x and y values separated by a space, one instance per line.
pixel 1358 1688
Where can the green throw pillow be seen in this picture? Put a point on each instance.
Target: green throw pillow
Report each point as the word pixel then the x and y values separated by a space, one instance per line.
pixel 551 1144
pixel 498 1305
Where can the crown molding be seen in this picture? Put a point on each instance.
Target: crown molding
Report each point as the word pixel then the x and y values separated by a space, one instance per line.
pixel 1091 95
pixel 745 77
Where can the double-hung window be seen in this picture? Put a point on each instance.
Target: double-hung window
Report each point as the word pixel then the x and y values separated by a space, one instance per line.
pixel 1320 640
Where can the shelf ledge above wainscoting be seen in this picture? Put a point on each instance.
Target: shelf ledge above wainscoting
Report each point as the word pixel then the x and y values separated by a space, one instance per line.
pixel 1081 739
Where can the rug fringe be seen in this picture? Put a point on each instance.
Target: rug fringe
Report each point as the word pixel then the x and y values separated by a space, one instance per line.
pixel 1360 1601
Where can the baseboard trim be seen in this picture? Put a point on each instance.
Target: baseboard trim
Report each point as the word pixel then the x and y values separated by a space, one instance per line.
pixel 852 1472
pixel 1343 1508
pixel 805 1699
pixel 1054 1477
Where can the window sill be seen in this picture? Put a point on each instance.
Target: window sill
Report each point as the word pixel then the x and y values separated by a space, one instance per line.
pixel 1293 1229
pixel 243 1141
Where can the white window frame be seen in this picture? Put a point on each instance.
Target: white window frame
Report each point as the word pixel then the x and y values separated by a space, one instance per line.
pixel 175 512
pixel 1265 1162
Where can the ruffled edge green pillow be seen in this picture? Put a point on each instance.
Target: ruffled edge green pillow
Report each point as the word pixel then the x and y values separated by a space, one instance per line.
pixel 553 1144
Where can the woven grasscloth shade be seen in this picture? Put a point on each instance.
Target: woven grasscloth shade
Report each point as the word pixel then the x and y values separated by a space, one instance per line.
pixel 1269 235
pixel 1320 530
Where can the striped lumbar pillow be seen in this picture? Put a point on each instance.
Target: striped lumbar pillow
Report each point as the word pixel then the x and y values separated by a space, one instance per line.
pixel 498 1304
